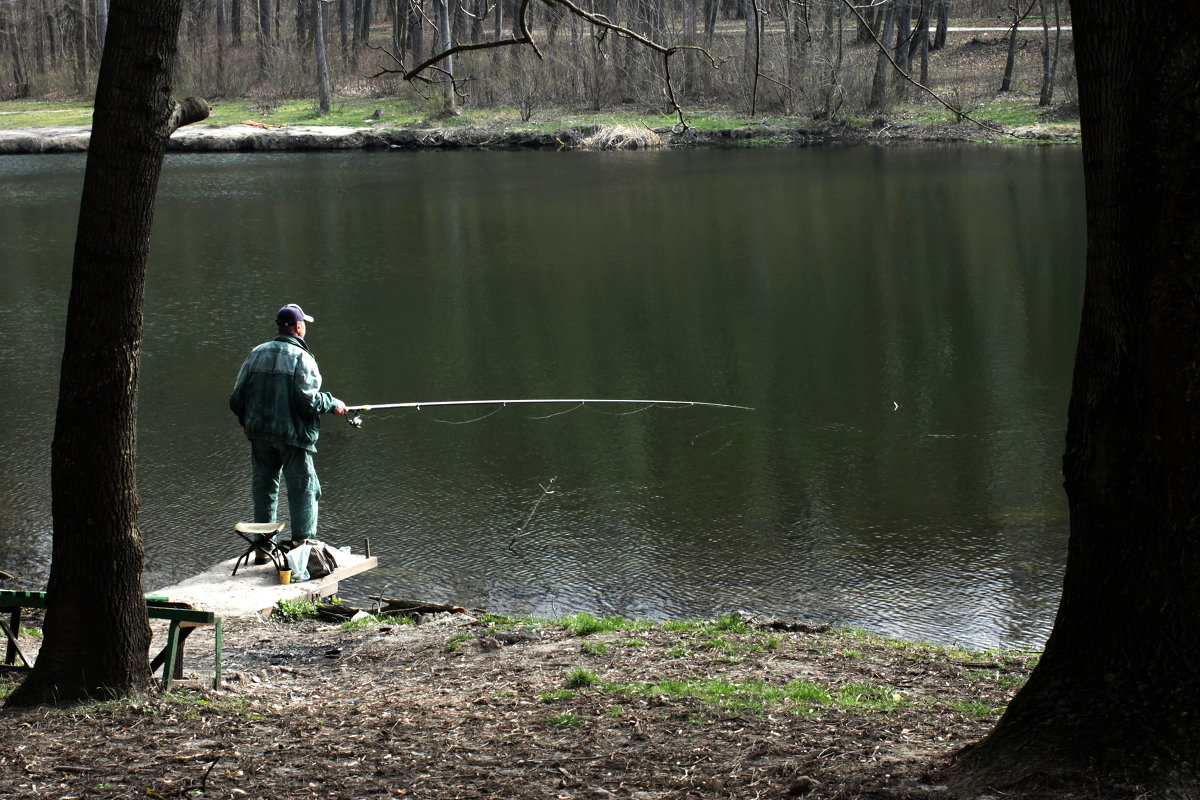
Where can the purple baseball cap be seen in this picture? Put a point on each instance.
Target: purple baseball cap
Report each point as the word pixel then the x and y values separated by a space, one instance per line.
pixel 291 314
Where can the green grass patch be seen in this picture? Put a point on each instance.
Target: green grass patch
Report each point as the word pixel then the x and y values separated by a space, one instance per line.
pixel 863 696
pixel 595 648
pixel 565 720
pixel 977 710
pixel 37 113
pixel 585 624
pixel 678 651
pixel 457 640
pixel 579 677
pixel 556 695
pixel 369 621
pixel 294 610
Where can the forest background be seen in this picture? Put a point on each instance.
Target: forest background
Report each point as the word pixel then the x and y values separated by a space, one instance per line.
pixel 338 61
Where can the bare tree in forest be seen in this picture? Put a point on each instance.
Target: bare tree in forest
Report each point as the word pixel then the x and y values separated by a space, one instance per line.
pixel 446 65
pixel 883 64
pixel 96 631
pixel 1011 63
pixel 319 18
pixel 1049 57
pixel 8 30
pixel 264 38
pixel 79 13
pixel 942 9
pixel 1114 692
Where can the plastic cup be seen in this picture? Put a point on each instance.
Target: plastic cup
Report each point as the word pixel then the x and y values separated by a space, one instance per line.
pixel 285 576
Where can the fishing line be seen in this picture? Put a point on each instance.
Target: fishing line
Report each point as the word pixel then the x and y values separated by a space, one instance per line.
pixel 468 421
pixel 558 413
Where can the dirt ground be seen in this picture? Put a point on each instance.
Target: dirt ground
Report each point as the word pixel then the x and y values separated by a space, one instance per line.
pixel 462 706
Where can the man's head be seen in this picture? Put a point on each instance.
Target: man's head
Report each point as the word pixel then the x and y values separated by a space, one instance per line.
pixel 291 319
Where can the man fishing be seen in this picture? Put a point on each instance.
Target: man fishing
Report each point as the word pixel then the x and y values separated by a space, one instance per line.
pixel 278 401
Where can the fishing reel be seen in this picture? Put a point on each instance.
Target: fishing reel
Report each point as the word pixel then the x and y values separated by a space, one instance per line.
pixel 355 421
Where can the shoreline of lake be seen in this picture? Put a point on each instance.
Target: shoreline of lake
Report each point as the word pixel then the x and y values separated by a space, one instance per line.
pixel 292 138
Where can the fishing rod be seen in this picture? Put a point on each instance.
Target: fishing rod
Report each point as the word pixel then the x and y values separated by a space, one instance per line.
pixel 356 420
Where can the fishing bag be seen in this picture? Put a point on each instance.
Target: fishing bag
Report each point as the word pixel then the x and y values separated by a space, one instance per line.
pixel 312 559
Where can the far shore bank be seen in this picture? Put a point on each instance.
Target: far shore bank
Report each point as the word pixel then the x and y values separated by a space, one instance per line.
pixel 251 138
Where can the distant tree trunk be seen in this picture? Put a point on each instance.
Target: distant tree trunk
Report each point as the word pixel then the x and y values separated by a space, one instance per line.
pixel 904 47
pixel 319 14
pixel 943 24
pixel 1011 63
pixel 96 635
pixel 710 21
pixel 79 11
pixel 39 37
pixel 221 25
pixel 882 65
pixel 689 38
pixel 478 14
pixel 922 43
pixel 400 27
pixel 235 20
pixel 101 22
pixel 750 55
pixel 264 38
pixel 442 10
pixel 499 19
pixel 416 29
pixel 1049 60
pixel 344 24
pixel 20 77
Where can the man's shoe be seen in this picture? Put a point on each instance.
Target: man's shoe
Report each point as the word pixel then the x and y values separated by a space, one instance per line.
pixel 261 557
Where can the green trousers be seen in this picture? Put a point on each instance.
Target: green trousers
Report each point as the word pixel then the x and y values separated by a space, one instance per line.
pixel 295 464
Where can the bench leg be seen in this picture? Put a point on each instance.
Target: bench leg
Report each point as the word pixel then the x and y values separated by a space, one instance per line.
pixel 14 649
pixel 217 655
pixel 13 631
pixel 168 654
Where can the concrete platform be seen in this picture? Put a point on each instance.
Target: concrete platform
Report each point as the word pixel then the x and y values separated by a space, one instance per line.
pixel 255 590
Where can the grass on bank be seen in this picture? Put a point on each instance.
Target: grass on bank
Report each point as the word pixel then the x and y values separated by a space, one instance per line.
pixel 359 112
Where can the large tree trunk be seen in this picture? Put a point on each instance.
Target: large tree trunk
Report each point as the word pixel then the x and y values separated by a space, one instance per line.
pixel 96 633
pixel 1116 689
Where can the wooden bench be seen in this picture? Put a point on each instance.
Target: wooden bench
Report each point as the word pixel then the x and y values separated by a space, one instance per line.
pixel 184 619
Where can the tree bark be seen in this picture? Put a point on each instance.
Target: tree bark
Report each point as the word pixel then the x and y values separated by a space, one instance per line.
pixel 79 11
pixel 96 632
pixel 1115 690
pixel 943 24
pixel 20 77
pixel 235 22
pixel 882 65
pixel 442 9
pixel 319 16
pixel 264 38
pixel 1049 58
pixel 1011 62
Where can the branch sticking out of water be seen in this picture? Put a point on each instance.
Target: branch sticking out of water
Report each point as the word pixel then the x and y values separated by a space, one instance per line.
pixel 548 489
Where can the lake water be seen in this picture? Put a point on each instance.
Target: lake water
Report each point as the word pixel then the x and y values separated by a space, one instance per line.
pixel 902 320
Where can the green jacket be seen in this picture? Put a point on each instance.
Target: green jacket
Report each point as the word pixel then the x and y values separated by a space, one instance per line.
pixel 278 397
